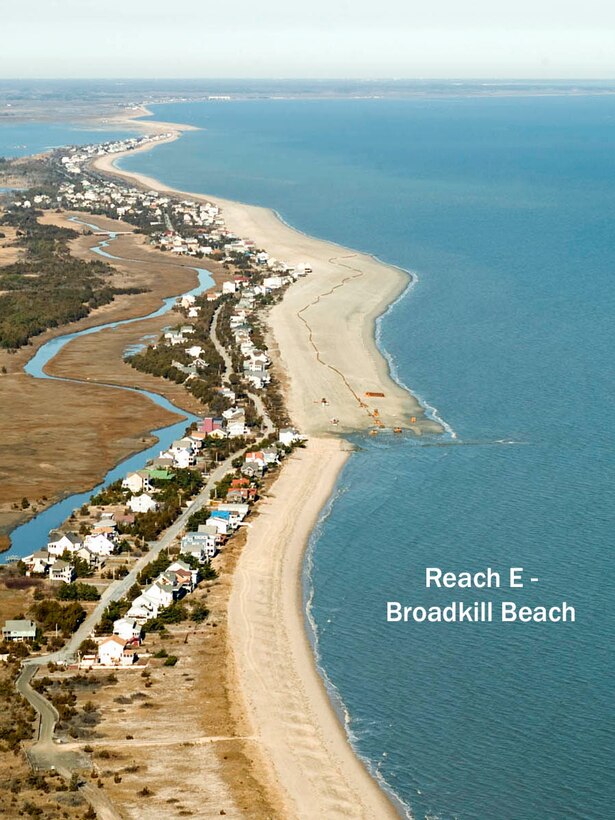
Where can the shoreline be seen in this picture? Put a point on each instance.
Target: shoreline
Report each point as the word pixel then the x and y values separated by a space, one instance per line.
pixel 302 739
pixel 370 287
pixel 291 711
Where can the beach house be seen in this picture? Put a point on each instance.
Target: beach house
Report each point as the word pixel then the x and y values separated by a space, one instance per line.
pixel 142 503
pixel 115 651
pixel 160 593
pixel 62 571
pixel 137 482
pixel 237 512
pixel 221 521
pixel 60 542
pixel 99 544
pixel 289 436
pixel 39 562
pixel 143 609
pixel 93 559
pixel 256 458
pixel 128 629
pixel 202 544
pixel 19 630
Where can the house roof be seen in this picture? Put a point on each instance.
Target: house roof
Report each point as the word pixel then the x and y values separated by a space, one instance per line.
pixel 128 621
pixel 181 565
pixel 59 565
pixel 162 475
pixel 206 529
pixel 113 639
pixel 57 535
pixel 20 625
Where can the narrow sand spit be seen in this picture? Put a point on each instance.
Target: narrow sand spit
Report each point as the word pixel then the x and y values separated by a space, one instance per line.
pixel 323 335
pixel 324 327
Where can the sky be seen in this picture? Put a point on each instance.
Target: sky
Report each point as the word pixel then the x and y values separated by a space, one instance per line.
pixel 319 38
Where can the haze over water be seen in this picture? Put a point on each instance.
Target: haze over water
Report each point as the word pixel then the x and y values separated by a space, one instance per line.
pixel 505 208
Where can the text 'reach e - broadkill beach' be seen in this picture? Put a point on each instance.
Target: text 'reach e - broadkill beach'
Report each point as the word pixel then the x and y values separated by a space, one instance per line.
pixel 484 611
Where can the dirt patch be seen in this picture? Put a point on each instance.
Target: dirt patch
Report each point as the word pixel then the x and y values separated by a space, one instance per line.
pixel 172 739
pixel 9 253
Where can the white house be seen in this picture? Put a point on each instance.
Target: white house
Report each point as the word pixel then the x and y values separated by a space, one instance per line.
pixel 60 542
pixel 271 455
pixel 160 594
pixel 115 651
pixel 183 459
pixel 99 544
pixel 39 562
pixel 127 628
pixel 221 521
pixel 195 550
pixel 273 282
pixel 237 512
pixel 143 609
pixel 258 358
pixel 202 544
pixel 142 503
pixel 235 422
pixel 236 428
pixel 61 571
pixel 20 630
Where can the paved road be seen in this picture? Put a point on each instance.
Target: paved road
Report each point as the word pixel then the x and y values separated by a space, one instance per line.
pixel 47 712
pixel 44 753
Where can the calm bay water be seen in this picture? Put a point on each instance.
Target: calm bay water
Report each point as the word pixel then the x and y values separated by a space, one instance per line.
pixel 24 138
pixel 504 208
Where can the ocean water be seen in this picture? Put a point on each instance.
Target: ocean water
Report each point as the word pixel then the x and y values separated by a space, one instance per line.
pixel 504 209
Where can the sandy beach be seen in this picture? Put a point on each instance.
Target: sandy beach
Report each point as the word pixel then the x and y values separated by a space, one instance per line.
pixel 304 745
pixel 324 327
pixel 322 337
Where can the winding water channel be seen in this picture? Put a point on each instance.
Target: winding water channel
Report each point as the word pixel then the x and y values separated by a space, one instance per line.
pixel 33 534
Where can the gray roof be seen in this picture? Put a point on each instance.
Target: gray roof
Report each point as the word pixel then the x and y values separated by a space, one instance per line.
pixel 57 535
pixel 19 626
pixel 60 565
